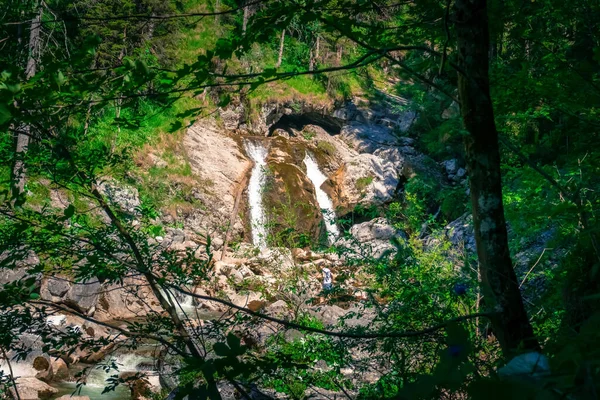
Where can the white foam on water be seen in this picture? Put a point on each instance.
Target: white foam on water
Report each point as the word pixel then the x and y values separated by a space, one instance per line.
pixel 20 369
pixel 317 178
pixel 258 154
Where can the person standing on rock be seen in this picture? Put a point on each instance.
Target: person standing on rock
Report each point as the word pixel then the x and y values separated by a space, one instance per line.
pixel 327 279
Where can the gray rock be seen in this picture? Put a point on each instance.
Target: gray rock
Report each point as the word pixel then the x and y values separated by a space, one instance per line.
pixel 451 166
pixel 371 239
pixel 232 116
pixel 366 138
pixel 81 295
pixel 126 197
pixel 13 271
pixel 131 300
pixel 274 260
pixel 292 335
pixel 366 179
pixel 175 235
pixel 58 287
pixel 329 315
pixel 346 113
pixel 236 276
pixel 84 295
pixel 460 232
pixel 278 309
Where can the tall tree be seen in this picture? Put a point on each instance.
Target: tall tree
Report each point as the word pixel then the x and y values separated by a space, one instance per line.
pixel 24 133
pixel 511 326
pixel 281 44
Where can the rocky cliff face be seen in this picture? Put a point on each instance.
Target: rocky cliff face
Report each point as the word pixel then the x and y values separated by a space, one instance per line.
pixel 219 160
pixel 360 150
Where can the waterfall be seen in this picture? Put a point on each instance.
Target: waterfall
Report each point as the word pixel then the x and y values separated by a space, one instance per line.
pixel 317 178
pixel 258 154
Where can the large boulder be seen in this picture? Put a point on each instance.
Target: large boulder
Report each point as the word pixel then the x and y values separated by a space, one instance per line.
pixel 366 179
pixel 60 370
pixel 371 239
pixel 329 315
pixel 81 296
pixel 132 299
pixel 30 388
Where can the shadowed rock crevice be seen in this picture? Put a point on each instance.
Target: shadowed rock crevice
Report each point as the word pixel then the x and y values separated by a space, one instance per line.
pixel 291 122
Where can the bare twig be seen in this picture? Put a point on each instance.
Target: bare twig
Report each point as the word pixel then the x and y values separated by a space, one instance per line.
pixel 534 265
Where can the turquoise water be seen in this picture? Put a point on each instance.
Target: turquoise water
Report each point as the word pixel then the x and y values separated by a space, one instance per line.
pixel 94 392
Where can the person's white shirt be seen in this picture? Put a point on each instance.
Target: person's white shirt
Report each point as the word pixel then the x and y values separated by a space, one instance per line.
pixel 327 278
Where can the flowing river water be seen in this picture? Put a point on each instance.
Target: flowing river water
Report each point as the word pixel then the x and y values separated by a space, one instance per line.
pixel 258 153
pixel 318 178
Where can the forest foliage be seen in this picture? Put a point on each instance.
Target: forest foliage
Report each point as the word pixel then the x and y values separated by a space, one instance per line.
pixel 115 76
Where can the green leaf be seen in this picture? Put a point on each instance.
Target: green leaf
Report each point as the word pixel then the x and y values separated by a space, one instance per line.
pixel 60 78
pixel 225 100
pixel 5 114
pixel 222 350
pixel 269 73
pixel 34 296
pixel 233 342
pixel 14 88
pixel 69 211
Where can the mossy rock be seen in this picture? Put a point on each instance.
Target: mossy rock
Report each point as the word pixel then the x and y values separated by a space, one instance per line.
pixel 291 205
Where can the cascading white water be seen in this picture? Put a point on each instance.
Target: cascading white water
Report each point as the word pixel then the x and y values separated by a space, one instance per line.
pixel 128 362
pixel 96 377
pixel 258 154
pixel 19 368
pixel 317 178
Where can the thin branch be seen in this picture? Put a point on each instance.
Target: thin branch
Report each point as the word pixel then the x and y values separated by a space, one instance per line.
pixel 402 334
pixel 534 265
pixel 116 328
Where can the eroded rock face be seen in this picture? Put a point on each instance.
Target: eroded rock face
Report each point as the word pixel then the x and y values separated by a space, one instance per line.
pixel 219 162
pixel 366 179
pixel 367 138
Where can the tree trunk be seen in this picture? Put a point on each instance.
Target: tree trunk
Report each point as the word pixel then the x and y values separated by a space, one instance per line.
pixel 281 43
pixel 501 290
pixel 338 55
pixel 245 20
pixel 19 171
pixel 314 55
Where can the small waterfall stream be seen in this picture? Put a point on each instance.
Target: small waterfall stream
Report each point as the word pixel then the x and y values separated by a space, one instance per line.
pixel 317 178
pixel 258 154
